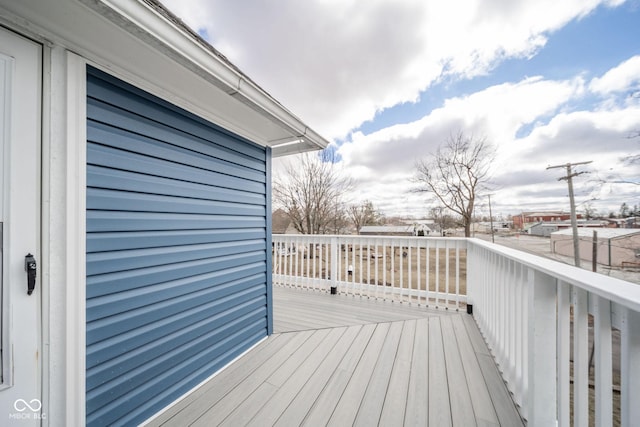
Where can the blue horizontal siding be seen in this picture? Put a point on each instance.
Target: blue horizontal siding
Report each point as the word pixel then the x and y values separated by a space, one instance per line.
pixel 108 136
pixel 111 305
pixel 109 262
pixel 147 370
pixel 134 162
pixel 114 241
pixel 161 307
pixel 136 407
pixel 124 201
pixel 110 179
pixel 104 87
pixel 177 250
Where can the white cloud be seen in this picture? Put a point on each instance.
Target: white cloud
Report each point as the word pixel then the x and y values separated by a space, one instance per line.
pixel 495 113
pixel 383 162
pixel 336 63
pixel 624 77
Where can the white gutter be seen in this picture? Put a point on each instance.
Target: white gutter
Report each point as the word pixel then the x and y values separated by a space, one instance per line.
pixel 178 42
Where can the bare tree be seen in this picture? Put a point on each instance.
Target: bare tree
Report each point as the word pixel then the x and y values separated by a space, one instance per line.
pixel 589 211
pixel 456 173
pixel 363 214
pixel 311 191
pixel 443 220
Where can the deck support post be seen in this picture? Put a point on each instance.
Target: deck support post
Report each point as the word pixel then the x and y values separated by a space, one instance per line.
pixel 542 354
pixel 334 272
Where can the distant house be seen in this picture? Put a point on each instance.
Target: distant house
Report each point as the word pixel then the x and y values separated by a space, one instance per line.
pixel 631 222
pixel 543 229
pixel 135 209
pixel 617 247
pixel 485 226
pixel 281 223
pixel 397 230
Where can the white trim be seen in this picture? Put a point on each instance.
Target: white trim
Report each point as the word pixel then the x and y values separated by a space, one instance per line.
pixel 45 216
pixel 76 119
pixel 8 68
pixel 63 259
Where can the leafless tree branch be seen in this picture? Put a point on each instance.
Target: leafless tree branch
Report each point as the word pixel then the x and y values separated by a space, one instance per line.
pixel 311 193
pixel 455 174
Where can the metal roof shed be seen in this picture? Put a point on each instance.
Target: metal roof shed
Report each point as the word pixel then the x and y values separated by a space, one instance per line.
pixel 617 247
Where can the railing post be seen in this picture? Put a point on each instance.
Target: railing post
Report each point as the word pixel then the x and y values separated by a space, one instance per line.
pixel 542 402
pixel 334 272
pixel 472 273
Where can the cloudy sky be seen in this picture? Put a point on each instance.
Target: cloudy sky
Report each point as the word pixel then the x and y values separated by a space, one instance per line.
pixel 548 82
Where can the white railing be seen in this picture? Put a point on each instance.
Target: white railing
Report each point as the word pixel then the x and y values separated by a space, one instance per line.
pixel 535 314
pixel 418 270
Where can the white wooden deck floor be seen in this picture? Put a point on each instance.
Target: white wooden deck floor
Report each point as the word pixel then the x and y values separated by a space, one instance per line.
pixel 342 360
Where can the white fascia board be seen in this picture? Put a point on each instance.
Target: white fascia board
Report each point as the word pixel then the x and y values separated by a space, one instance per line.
pixel 175 41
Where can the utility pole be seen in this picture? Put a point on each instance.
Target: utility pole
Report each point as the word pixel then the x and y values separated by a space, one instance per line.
pixel 574 221
pixel 491 220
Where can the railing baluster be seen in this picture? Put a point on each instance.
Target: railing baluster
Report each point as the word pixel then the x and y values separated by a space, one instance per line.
pixel 542 349
pixel 410 270
pixel 526 328
pixel 316 266
pixel 419 270
pixel 509 371
pixel 377 275
pixel 563 343
pixel 446 269
pixel 437 260
pixel 580 357
pixel 602 360
pixel 384 270
pixel 520 363
pixel 630 367
pixel 428 272
pixel 297 267
pixel 500 312
pixel 457 275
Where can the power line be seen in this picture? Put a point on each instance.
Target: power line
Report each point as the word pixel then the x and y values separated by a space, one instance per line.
pixel 574 222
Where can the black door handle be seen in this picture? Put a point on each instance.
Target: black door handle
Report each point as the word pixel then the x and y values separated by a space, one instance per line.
pixel 31 268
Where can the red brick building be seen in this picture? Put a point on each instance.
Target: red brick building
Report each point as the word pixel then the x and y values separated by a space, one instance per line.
pixel 526 219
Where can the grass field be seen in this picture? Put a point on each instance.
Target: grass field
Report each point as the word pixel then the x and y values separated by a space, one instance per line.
pixel 442 269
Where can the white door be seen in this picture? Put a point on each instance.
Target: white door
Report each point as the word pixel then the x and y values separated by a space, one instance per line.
pixel 20 320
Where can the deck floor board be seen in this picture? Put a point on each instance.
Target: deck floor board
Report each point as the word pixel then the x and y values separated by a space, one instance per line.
pixel 343 360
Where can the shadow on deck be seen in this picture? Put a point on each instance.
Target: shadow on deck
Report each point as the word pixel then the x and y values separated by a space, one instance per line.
pixel 343 360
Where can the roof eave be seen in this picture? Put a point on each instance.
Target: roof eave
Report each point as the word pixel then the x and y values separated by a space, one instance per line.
pixel 171 35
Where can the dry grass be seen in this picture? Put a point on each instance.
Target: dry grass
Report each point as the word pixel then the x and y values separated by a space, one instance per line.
pixel 383 265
